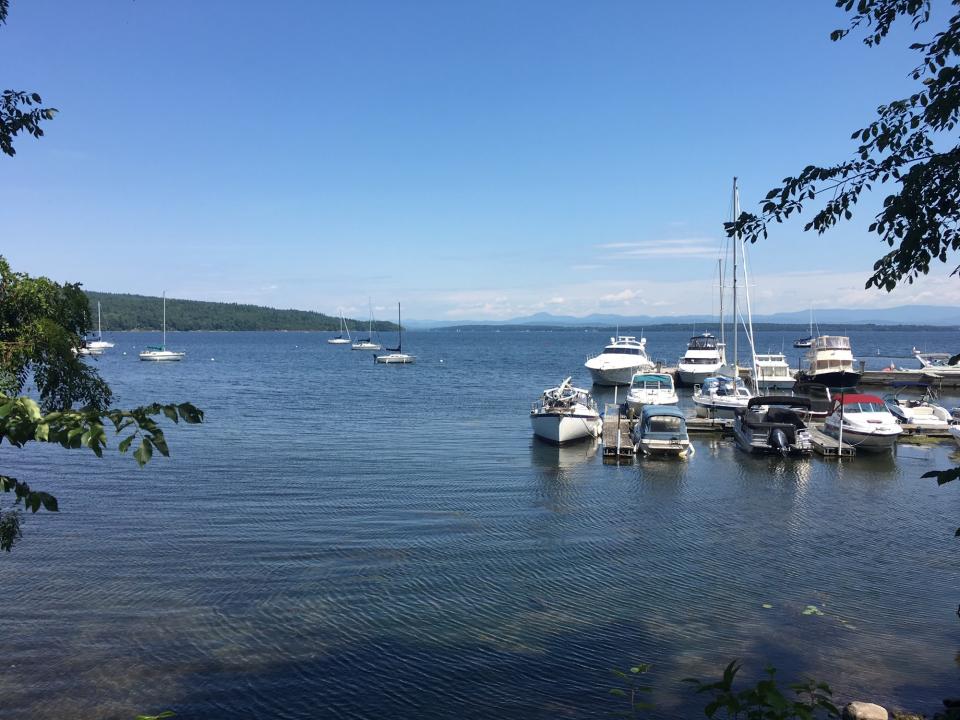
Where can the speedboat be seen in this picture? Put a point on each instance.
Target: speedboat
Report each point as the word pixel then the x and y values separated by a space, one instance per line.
pixel 662 430
pixel 651 389
pixel 937 364
pixel 771 424
pixel 720 393
pixel 772 372
pixel 830 363
pixel 564 414
pixel 704 357
pixel 867 423
pixel 921 413
pixel 619 361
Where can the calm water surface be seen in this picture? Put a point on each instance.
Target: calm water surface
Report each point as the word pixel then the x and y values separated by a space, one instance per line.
pixel 342 539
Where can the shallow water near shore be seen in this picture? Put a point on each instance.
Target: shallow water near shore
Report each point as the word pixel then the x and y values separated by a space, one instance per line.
pixel 345 539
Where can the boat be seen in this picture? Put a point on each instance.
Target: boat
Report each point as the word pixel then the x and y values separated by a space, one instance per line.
pixel 159 353
pixel 807 341
pixel 773 425
pixel 367 343
pixel 564 414
pixel 772 372
pixel 651 389
pixel 99 343
pixel 920 412
pixel 704 357
pixel 938 364
pixel 396 356
pixel 721 393
pixel 661 430
pixel 954 431
pixel 619 361
pixel 340 339
pixel 830 363
pixel 865 422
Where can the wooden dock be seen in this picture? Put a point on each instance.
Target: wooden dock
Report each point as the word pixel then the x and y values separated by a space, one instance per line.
pixel 829 447
pixel 617 445
pixel 697 425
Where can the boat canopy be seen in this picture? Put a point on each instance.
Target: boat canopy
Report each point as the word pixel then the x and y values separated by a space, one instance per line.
pixel 702 342
pixel 854 398
pixel 833 342
pixel 660 410
pixel 785 400
pixel 641 378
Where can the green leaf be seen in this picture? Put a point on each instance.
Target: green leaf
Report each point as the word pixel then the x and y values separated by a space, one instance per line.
pixel 144 452
pixel 125 443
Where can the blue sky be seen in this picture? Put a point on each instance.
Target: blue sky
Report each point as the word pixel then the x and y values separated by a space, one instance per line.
pixel 469 159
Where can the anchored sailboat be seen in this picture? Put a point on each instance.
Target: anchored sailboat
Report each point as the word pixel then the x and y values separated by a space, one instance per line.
pixel 159 353
pixel 99 343
pixel 396 356
pixel 367 343
pixel 340 339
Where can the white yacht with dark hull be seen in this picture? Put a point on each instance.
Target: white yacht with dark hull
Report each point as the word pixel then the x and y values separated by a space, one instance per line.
pixel 830 363
pixel 704 357
pixel 564 414
pixel 620 361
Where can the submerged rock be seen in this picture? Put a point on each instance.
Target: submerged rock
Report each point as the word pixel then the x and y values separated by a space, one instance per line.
pixel 864 711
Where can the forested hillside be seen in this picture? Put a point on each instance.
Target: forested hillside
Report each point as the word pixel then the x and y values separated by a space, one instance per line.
pixel 139 312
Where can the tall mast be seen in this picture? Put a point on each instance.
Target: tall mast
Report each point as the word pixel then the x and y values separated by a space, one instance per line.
pixel 164 319
pixel 723 337
pixel 399 331
pixel 99 328
pixel 736 241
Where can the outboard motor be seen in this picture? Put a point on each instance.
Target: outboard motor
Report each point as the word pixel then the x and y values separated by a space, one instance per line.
pixel 778 441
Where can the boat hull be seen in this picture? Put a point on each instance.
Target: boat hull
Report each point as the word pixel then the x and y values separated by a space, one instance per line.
pixel 689 376
pixel 664 448
pixel 879 441
pixel 338 341
pixel 839 379
pixel 954 431
pixel 636 401
pixel 395 359
pixel 610 376
pixel 560 429
pixel 168 356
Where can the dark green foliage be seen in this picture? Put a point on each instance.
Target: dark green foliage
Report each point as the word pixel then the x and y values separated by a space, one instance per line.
pixel 139 312
pixel 912 144
pixel 631 690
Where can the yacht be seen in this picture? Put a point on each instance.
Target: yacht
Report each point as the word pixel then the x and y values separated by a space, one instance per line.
pixel 704 357
pixel 720 393
pixel 619 361
pixel 771 424
pixel 651 389
pixel 921 413
pixel 865 421
pixel 772 372
pixel 830 363
pixel 938 364
pixel 340 339
pixel 662 430
pixel 99 343
pixel 564 414
pixel 159 353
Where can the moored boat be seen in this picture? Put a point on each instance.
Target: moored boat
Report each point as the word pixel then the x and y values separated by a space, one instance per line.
pixel 772 372
pixel 651 389
pixel 159 353
pixel 773 424
pixel 830 363
pixel 865 421
pixel 938 364
pixel 703 358
pixel 661 430
pixel 564 414
pixel 918 411
pixel 619 361
pixel 720 393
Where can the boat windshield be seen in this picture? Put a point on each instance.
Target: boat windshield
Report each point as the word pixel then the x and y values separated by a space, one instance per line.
pixel 664 424
pixel 702 343
pixel 611 350
pixel 865 407
pixel 700 361
pixel 833 342
pixel 651 382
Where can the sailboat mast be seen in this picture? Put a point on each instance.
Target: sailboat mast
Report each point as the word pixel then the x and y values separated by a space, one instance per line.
pixel 399 331
pixel 99 327
pixel 164 319
pixel 736 241
pixel 723 337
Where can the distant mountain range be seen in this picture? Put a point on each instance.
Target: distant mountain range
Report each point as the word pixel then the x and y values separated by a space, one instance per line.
pixel 944 315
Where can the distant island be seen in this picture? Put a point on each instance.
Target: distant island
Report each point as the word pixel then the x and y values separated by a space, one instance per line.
pixel 140 312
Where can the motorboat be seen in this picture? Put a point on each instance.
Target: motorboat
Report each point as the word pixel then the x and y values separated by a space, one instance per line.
pixel 937 364
pixel 620 361
pixel 772 372
pixel 773 425
pixel 651 389
pixel 99 343
pixel 340 339
pixel 703 358
pixel 866 422
pixel 159 353
pixel 396 356
pixel 720 393
pixel 920 412
pixel 661 430
pixel 830 363
pixel 564 414
pixel 367 343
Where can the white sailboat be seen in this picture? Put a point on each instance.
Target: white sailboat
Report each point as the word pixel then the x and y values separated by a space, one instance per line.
pixel 396 355
pixel 159 353
pixel 367 343
pixel 340 339
pixel 99 343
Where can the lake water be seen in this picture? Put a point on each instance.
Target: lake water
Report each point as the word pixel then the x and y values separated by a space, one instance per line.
pixel 350 540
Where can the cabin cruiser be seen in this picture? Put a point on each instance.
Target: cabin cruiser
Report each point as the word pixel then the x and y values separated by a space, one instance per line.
pixel 720 393
pixel 772 372
pixel 921 413
pixel 704 357
pixel 773 424
pixel 651 389
pixel 616 365
pixel 662 430
pixel 937 364
pixel 830 363
pixel 564 414
pixel 867 423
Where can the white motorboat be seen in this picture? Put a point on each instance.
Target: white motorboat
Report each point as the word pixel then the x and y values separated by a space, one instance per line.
pixel 340 339
pixel 651 389
pixel 920 412
pixel 830 363
pixel 159 353
pixel 954 431
pixel 367 343
pixel 661 430
pixel 721 394
pixel 704 357
pixel 619 361
pixel 99 343
pixel 937 364
pixel 772 372
pixel 866 422
pixel 564 414
pixel 773 424
pixel 396 356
